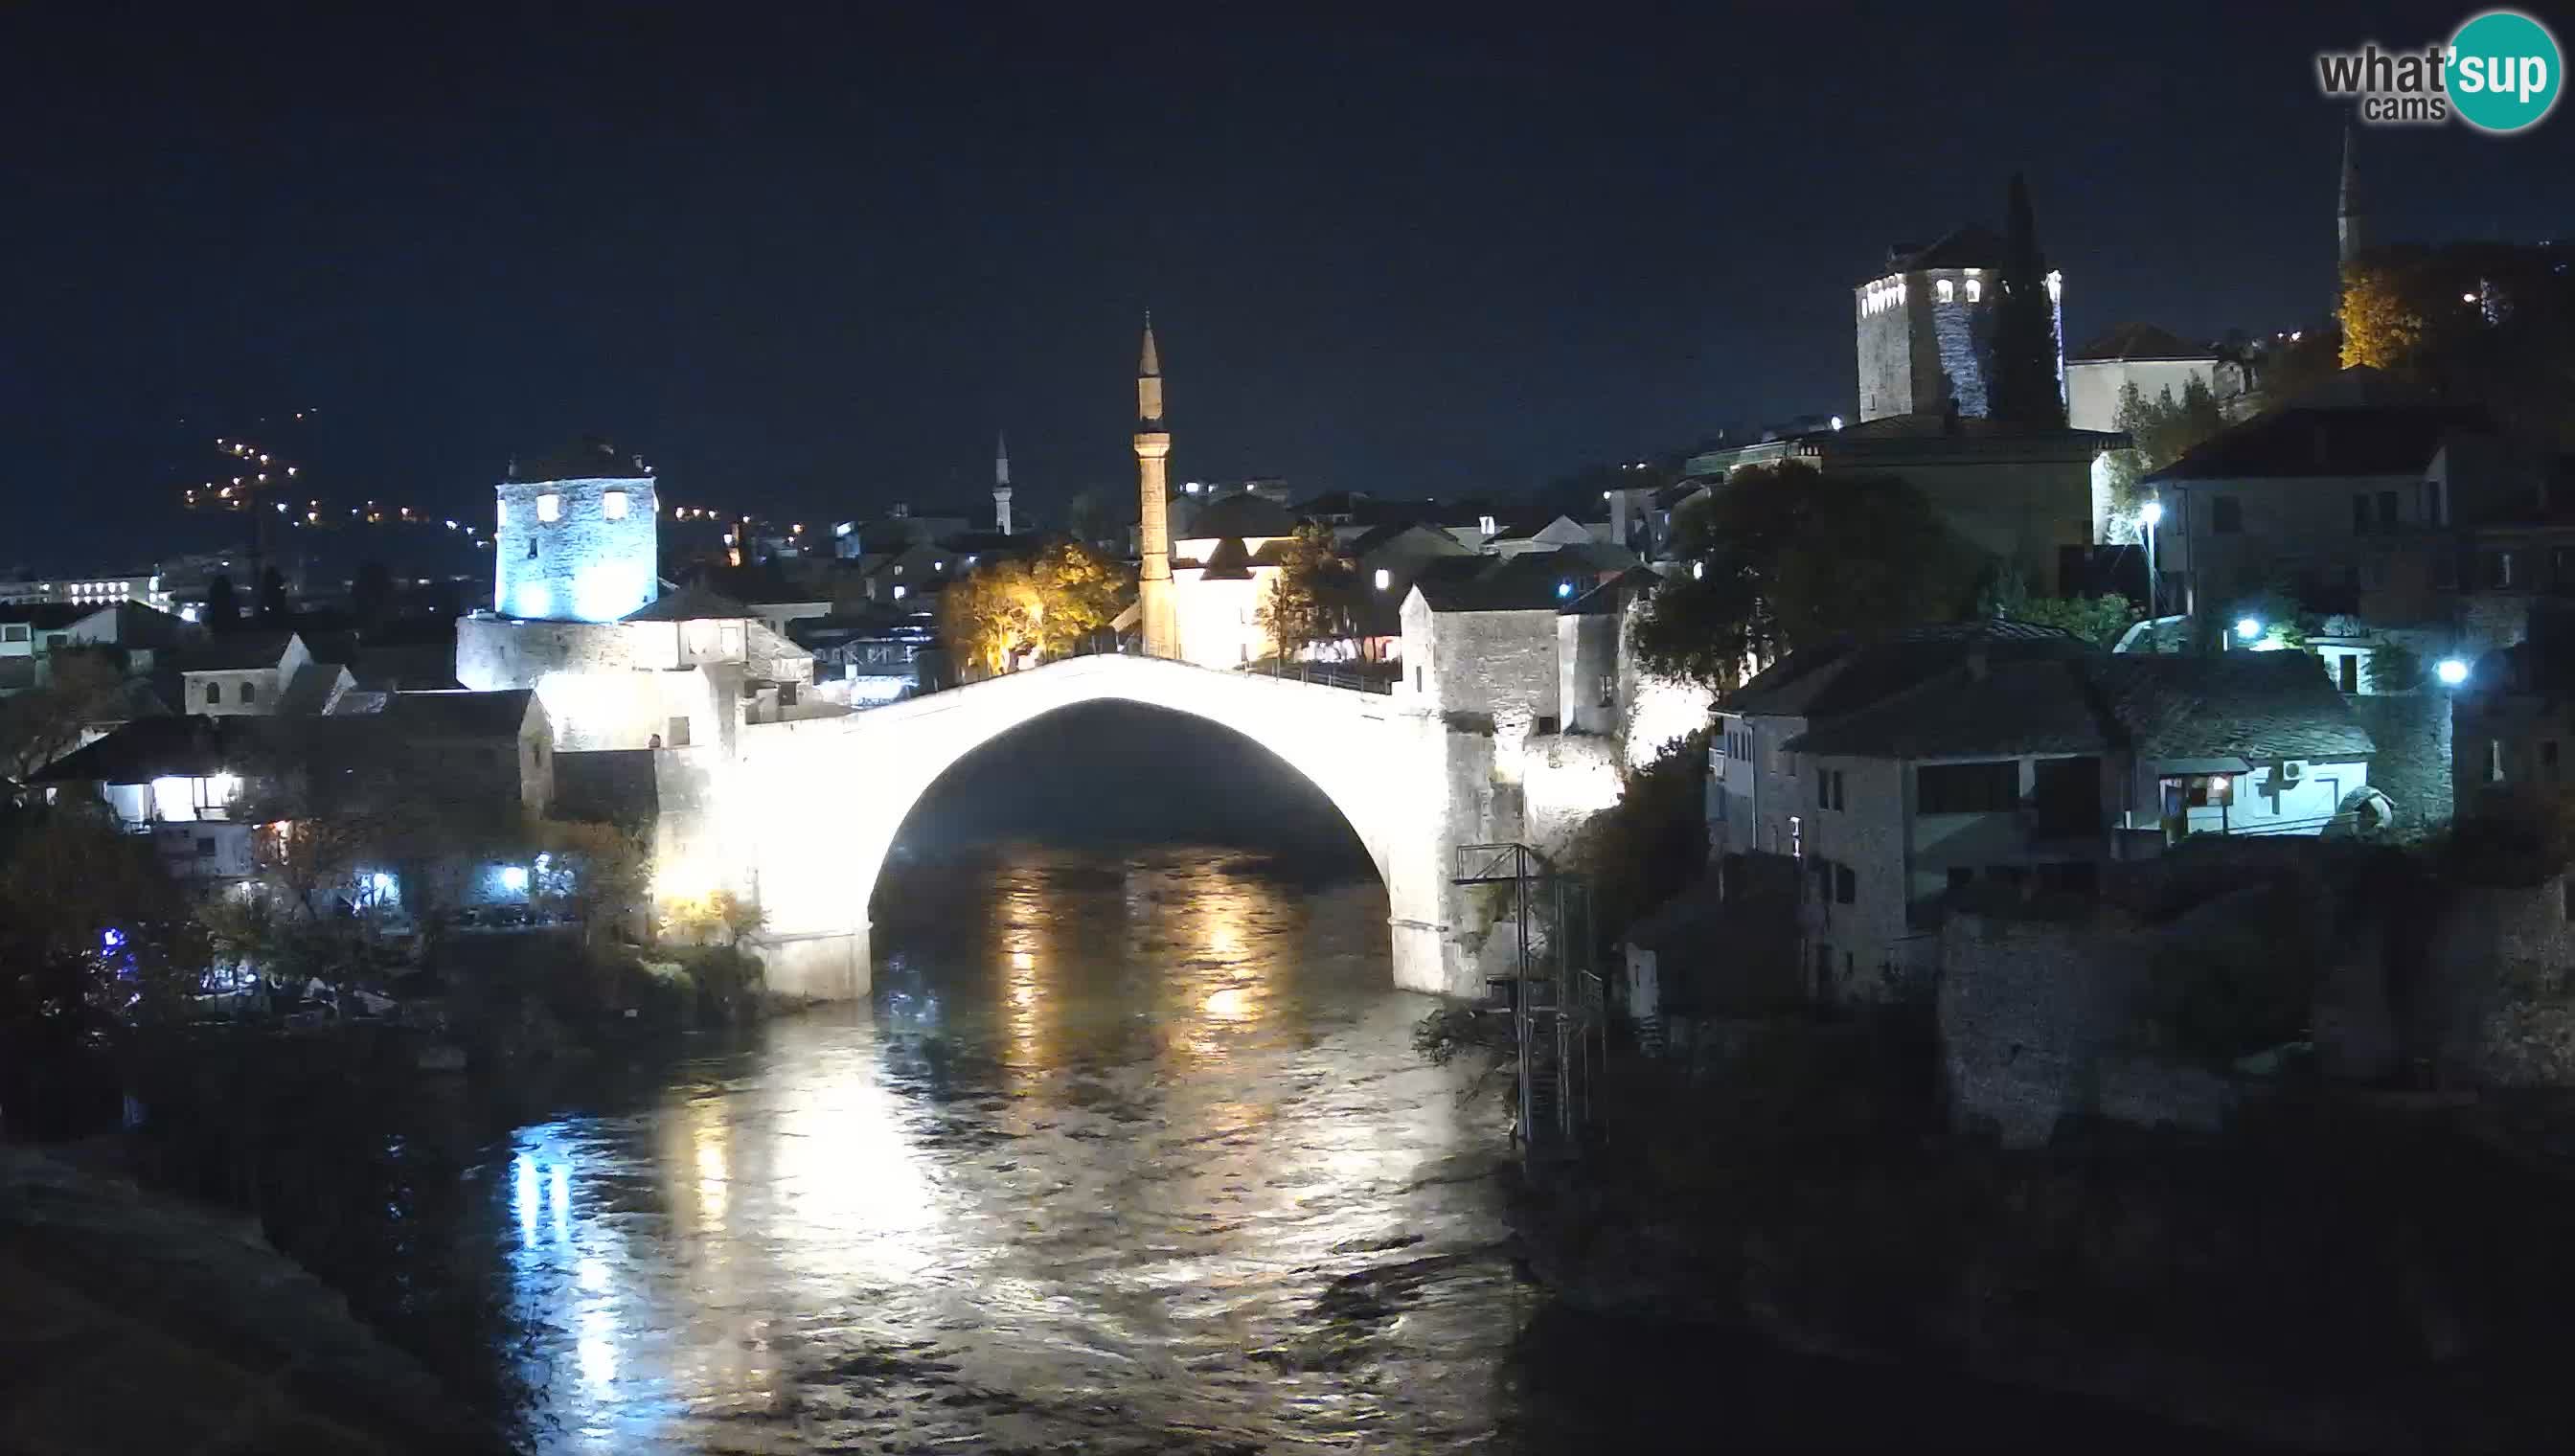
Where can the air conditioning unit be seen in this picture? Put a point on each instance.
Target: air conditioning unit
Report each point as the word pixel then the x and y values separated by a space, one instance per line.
pixel 2289 771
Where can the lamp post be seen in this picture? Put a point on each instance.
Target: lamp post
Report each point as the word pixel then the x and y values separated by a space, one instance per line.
pixel 2153 514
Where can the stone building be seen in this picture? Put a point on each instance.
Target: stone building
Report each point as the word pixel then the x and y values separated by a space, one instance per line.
pixel 1926 326
pixel 2156 361
pixel 1986 759
pixel 577 537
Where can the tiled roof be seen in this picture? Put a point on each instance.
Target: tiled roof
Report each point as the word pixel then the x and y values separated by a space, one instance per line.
pixel 236 652
pixel 1614 594
pixel 689 603
pixel 2252 706
pixel 2383 440
pixel 2141 341
pixel 1242 515
pixel 1534 581
pixel 1968 247
pixel 459 714
pixel 589 458
pixel 1847 674
pixel 45 615
pixel 192 746
pixel 2042 707
pixel 1227 562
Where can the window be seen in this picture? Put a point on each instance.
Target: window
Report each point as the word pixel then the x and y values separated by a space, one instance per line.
pixel 214 692
pixel 14 632
pixel 1796 837
pixel 250 692
pixel 2387 509
pixel 2199 791
pixel 2494 760
pixel 2499 569
pixel 2349 666
pixel 612 504
pixel 1837 789
pixel 2360 515
pixel 1609 690
pixel 1975 290
pixel 2225 516
pixel 1828 788
pixel 205 847
pixel 1416 680
pixel 1385 579
pixel 1949 291
pixel 1967 788
pixel 2432 513
pixel 1846 885
pixel 550 506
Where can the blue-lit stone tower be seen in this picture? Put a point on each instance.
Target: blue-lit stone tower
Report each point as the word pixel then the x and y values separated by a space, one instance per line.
pixel 576 539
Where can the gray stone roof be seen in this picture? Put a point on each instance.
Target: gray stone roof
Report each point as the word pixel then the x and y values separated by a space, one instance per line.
pixel 1847 674
pixel 1240 515
pixel 689 603
pixel 1534 582
pixel 2042 707
pixel 234 652
pixel 2383 440
pixel 459 714
pixel 2140 340
pixel 2252 706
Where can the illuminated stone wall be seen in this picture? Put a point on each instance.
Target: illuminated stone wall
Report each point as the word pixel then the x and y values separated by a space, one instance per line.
pixel 594 561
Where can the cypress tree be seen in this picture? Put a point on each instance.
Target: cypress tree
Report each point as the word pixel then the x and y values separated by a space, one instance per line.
pixel 2021 369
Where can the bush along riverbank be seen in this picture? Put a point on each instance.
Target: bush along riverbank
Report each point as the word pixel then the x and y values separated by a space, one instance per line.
pixel 2334 1273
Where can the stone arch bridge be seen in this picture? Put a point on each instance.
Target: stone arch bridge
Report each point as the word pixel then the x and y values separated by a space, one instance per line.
pixel 802 813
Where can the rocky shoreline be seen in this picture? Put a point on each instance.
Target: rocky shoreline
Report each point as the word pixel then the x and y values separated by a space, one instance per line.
pixel 142 1323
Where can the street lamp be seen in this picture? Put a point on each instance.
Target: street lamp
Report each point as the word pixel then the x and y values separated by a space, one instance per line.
pixel 2248 628
pixel 2451 670
pixel 2153 514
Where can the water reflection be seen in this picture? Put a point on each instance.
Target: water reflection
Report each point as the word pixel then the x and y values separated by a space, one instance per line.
pixel 1087 1172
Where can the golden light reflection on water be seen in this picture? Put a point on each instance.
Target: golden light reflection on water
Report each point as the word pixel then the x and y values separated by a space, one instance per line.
pixel 1169 1166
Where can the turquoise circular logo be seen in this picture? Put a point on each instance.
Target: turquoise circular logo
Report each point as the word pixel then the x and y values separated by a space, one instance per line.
pixel 2504 71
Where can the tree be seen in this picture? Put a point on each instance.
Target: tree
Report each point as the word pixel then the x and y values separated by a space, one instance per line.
pixel 2021 375
pixel 371 595
pixel 95 937
pixel 1309 598
pixel 82 689
pixel 2381 324
pixel 598 872
pixel 223 607
pixel 2160 430
pixel 1780 556
pixel 272 596
pixel 2100 620
pixel 1078 593
pixel 1049 607
pixel 1087 521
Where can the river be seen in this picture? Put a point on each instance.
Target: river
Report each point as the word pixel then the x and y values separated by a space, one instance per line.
pixel 1131 1152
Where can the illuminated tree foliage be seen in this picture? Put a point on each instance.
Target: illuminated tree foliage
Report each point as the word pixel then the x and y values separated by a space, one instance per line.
pixel 1005 613
pixel 1780 556
pixel 1309 600
pixel 2160 430
pixel 2381 324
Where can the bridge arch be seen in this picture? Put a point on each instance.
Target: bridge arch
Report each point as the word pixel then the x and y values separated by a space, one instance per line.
pixel 812 807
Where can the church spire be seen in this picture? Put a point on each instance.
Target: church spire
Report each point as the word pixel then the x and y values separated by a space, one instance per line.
pixel 1001 483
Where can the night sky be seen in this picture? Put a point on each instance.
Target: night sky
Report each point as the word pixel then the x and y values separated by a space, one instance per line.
pixel 809 258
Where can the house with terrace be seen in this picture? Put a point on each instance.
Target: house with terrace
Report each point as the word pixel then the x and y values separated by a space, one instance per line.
pixel 1911 775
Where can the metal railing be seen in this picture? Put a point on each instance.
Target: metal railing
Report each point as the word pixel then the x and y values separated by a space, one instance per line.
pixel 1322 676
pixel 1558 1005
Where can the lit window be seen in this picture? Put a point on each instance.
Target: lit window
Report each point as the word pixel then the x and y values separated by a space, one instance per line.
pixel 1484 524
pixel 550 506
pixel 1385 579
pixel 505 513
pixel 1949 291
pixel 899 591
pixel 613 505
pixel 1975 290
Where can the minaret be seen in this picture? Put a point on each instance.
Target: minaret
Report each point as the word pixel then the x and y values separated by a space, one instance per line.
pixel 2350 213
pixel 1001 484
pixel 1157 616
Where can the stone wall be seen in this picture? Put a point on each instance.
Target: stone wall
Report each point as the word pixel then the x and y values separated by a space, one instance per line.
pixel 582 565
pixel 2026 1009
pixel 2502 977
pixel 2412 765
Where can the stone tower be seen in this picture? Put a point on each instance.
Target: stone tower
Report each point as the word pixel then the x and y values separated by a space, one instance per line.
pixel 1926 326
pixel 576 538
pixel 1157 616
pixel 2349 215
pixel 1001 484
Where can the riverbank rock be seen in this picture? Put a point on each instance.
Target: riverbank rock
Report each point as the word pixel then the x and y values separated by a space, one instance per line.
pixel 137 1323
